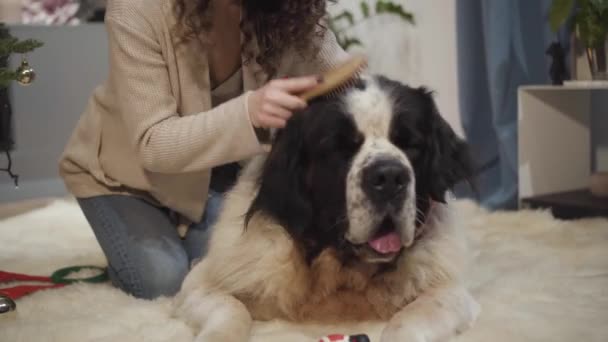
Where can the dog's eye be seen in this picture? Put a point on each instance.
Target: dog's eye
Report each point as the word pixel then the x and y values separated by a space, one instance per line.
pixel 339 142
pixel 326 143
pixel 334 142
pixel 356 141
pixel 350 143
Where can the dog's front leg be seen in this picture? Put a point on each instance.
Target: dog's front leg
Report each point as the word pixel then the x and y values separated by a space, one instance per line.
pixel 215 317
pixel 436 316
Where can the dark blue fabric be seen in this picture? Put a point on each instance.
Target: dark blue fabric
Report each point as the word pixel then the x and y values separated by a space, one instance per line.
pixel 501 46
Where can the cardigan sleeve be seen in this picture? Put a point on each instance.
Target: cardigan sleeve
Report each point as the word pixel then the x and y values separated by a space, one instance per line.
pixel 165 141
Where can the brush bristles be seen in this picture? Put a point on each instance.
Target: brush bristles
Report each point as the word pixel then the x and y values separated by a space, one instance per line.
pixel 340 90
pixel 339 79
pixel 348 84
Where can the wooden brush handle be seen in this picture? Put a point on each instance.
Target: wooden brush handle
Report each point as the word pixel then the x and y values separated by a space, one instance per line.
pixel 337 77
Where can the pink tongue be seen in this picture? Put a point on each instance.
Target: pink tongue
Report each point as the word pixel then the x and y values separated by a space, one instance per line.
pixel 389 243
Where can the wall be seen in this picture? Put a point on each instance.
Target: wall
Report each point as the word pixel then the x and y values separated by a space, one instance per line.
pixel 69 66
pixel 423 54
pixel 10 11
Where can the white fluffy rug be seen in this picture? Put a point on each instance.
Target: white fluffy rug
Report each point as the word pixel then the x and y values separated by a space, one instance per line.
pixel 537 279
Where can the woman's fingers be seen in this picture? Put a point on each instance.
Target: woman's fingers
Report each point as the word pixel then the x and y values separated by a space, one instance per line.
pixel 278 97
pixel 271 121
pixel 277 111
pixel 297 84
pixel 273 104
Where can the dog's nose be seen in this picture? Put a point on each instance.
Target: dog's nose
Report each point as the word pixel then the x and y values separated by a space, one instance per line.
pixel 385 181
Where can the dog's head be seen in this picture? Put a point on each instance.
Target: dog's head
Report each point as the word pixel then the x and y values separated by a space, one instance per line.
pixel 359 172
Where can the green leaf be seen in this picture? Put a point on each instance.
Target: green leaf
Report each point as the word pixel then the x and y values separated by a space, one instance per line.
pixel 394 9
pixel 365 9
pixel 600 5
pixel 340 39
pixel 559 12
pixel 345 15
pixel 591 26
pixel 349 42
pixel 380 6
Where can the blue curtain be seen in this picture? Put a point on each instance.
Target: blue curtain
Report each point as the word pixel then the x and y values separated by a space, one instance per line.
pixel 501 46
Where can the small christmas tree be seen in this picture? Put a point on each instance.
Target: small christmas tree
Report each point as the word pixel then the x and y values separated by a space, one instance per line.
pixel 10 45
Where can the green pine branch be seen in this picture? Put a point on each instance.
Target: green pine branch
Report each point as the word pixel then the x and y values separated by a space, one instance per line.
pixel 6 77
pixel 10 45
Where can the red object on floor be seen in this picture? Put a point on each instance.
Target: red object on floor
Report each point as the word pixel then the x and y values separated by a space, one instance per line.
pixel 344 338
pixel 59 278
pixel 6 277
pixel 19 291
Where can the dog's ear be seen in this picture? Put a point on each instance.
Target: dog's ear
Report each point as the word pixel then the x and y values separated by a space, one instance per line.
pixel 282 193
pixel 448 159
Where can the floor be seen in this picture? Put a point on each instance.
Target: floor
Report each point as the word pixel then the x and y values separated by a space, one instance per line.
pixel 16 208
pixel 537 279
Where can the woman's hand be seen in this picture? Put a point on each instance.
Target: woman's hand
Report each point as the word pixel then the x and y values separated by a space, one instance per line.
pixel 273 104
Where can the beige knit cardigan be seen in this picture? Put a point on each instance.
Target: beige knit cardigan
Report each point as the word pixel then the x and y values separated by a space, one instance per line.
pixel 150 130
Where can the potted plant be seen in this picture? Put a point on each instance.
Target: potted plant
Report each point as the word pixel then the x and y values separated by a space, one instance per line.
pixel 588 19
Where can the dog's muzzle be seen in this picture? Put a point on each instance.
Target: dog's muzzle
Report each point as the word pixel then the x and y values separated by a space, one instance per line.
pixel 385 183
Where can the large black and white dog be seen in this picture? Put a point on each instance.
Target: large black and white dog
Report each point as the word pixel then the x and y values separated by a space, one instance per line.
pixel 346 219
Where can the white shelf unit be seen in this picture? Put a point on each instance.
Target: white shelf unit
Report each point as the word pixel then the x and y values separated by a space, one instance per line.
pixel 555 137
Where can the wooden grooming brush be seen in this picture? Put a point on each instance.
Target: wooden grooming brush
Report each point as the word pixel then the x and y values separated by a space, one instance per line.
pixel 334 81
pixel 338 78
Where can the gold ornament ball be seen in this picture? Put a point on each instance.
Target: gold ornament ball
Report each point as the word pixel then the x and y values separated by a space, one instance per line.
pixel 25 74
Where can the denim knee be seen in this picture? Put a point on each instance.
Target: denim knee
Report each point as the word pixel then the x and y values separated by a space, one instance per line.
pixel 163 273
pixel 160 271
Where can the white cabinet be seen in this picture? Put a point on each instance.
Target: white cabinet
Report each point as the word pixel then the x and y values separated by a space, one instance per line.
pixel 556 137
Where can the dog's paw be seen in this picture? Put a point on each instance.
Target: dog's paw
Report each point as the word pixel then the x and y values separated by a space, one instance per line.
pixel 214 316
pixel 190 308
pixel 218 336
pixel 398 333
pixel 471 314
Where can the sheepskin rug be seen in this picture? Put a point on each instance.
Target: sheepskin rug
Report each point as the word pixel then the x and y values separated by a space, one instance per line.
pixel 537 279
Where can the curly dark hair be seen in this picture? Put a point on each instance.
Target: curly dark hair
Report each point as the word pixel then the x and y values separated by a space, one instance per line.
pixel 277 25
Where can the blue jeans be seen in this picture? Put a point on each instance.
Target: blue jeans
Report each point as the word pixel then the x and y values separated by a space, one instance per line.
pixel 146 256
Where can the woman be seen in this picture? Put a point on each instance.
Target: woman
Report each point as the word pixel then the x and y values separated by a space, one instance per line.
pixel 193 87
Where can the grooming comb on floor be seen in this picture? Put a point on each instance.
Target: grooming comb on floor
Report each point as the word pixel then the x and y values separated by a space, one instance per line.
pixel 338 79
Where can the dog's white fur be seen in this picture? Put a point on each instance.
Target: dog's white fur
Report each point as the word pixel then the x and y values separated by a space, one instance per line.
pixel 259 273
pixel 372 110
